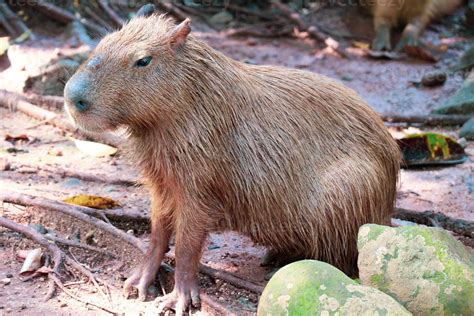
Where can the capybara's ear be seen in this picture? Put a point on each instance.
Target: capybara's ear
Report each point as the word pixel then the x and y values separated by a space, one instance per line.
pixel 180 33
pixel 146 10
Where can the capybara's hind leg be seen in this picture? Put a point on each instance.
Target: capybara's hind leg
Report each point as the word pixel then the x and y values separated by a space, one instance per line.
pixel 144 275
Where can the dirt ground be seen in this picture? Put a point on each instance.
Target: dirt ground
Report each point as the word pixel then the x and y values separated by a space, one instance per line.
pixel 385 84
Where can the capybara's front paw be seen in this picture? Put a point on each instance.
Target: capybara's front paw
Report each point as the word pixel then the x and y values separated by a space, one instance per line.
pixel 141 279
pixel 179 300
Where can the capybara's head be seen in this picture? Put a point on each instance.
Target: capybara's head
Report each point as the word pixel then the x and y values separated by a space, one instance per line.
pixel 128 70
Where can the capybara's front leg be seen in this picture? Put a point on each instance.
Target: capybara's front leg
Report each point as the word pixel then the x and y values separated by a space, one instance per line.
pixel 144 275
pixel 189 242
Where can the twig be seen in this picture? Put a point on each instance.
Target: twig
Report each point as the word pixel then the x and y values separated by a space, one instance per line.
pixel 59 256
pixel 62 15
pixel 111 13
pixel 6 25
pixel 74 296
pixel 52 101
pixel 97 18
pixel 312 30
pixel 262 31
pixel 459 226
pixel 218 307
pixel 428 120
pixel 11 16
pixel 76 244
pixel 172 9
pixel 14 101
pixel 232 279
pixel 63 172
pixel 81 33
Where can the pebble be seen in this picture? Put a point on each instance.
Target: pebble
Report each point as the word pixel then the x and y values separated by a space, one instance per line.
pixel 6 281
pixel 130 232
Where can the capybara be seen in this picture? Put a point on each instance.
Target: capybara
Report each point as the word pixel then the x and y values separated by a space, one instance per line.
pixel 414 15
pixel 293 159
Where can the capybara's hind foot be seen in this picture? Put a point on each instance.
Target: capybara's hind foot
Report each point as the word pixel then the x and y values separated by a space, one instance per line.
pixel 141 279
pixel 179 300
pixel 276 259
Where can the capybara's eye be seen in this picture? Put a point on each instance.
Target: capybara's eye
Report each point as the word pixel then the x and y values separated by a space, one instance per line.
pixel 143 62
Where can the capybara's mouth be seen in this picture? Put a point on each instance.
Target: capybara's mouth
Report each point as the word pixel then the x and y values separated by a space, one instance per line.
pixel 86 121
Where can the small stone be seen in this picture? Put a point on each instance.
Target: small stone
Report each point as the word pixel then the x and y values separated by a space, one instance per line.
pixel 39 228
pixel 6 281
pixel 63 305
pixel 462 102
pixel 9 275
pixel 22 307
pixel 4 165
pixel 90 237
pixel 130 232
pixel 434 78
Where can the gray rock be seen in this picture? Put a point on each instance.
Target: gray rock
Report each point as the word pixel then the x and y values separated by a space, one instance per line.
pixel 423 268
pixel 462 102
pixel 467 130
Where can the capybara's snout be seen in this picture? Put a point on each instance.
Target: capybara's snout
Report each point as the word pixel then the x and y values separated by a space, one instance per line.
pixel 77 93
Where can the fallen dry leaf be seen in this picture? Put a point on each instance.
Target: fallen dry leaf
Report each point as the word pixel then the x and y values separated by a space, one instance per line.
pixel 94 149
pixel 32 261
pixel 14 139
pixel 92 201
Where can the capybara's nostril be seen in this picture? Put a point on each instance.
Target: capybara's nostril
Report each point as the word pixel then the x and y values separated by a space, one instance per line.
pixel 77 92
pixel 81 105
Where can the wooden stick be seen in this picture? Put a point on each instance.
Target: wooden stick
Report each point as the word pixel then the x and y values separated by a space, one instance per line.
pixel 14 101
pixel 86 176
pixel 118 21
pixel 62 16
pixel 11 16
pixel 6 25
pixel 428 120
pixel 218 307
pixel 55 102
pixel 76 244
pixel 232 279
pixel 459 226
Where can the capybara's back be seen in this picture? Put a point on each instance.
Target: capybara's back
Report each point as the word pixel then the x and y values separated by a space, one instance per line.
pixel 293 159
pixel 306 162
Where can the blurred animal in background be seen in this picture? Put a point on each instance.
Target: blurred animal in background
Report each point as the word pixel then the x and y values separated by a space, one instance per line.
pixel 413 15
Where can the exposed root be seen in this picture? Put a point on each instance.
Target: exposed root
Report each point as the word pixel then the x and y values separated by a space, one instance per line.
pixel 428 120
pixel 436 219
pixel 118 21
pixel 91 177
pixel 14 101
pixel 59 258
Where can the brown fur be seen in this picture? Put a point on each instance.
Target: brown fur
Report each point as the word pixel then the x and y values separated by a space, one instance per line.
pixel 292 159
pixel 415 15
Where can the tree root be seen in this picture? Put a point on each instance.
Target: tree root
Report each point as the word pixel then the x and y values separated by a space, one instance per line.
pixel 436 219
pixel 59 258
pixel 63 16
pixel 428 120
pixel 13 21
pixel 90 177
pixel 78 212
pixel 118 21
pixel 15 101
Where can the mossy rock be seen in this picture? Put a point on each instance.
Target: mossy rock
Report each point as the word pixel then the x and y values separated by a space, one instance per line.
pixel 423 268
pixel 311 287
